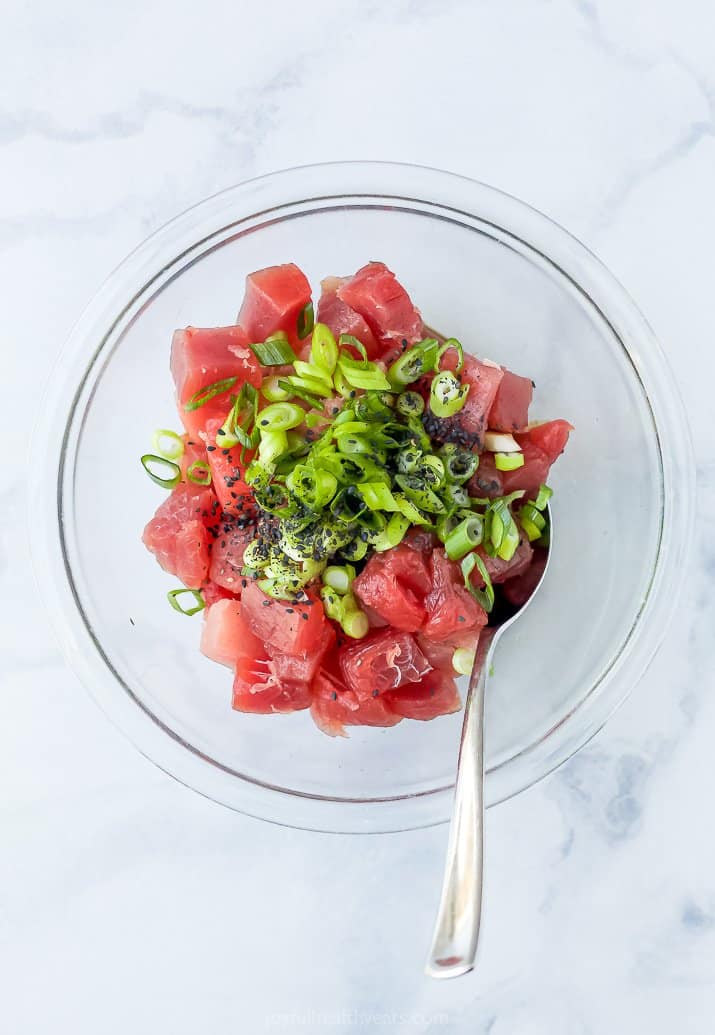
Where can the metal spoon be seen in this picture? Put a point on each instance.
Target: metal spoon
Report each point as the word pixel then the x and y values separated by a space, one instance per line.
pixel 456 931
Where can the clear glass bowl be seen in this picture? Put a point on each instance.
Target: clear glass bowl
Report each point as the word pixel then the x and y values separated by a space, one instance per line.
pixel 510 285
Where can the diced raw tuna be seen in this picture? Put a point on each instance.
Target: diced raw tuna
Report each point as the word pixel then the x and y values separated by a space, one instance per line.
pixel 177 534
pixel 510 409
pixel 499 570
pixel 451 609
pixel 202 356
pixel 334 707
pixel 541 445
pixel 467 427
pixel 287 627
pixel 382 661
pixel 341 319
pixel 230 538
pixel 274 299
pixel 435 695
pixel 393 585
pixel 227 471
pixel 224 635
pixel 376 294
pixel 518 589
pixel 488 480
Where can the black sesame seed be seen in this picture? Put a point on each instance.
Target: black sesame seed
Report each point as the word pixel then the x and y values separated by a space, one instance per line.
pixel 131 620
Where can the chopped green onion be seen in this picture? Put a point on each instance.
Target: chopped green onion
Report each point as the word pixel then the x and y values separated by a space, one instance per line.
pixel 431 469
pixel 503 533
pixel 273 445
pixel 407 507
pixel 377 496
pixel 413 364
pixel 354 550
pixel 375 406
pixel 173 597
pixel 150 460
pixel 456 495
pixel 532 521
pixel 255 556
pixel 272 391
pixel 168 444
pixel 500 442
pixel 359 374
pixel 543 497
pixel 339 578
pixel 323 349
pixel 236 428
pixel 315 386
pixel 408 459
pixel 447 394
pixel 275 351
pixel 419 492
pixel 484 596
pixel 354 343
pixel 392 534
pixel 199 473
pixel 451 343
pixel 411 404
pixel 460 464
pixel 464 537
pixel 508 461
pixel 281 416
pixel 306 320
pixel 332 603
pixel 292 390
pixel 310 372
pixel 349 427
pixel 353 621
pixel 209 392
pixel 463 661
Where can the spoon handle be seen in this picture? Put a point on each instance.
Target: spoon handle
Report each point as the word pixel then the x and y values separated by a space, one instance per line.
pixel 456 932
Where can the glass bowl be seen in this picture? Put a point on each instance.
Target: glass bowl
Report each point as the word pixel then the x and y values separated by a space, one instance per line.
pixel 511 285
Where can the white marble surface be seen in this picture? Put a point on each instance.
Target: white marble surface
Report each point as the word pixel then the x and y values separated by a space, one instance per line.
pixel 127 903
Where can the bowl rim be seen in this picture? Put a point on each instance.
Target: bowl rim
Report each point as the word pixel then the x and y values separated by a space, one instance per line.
pixel 381 181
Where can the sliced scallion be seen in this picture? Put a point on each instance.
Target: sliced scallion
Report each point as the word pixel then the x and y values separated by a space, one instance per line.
pixel 173 471
pixel 323 349
pixel 543 497
pixel 174 595
pixel 272 391
pixel 280 416
pixel 411 404
pixel 484 596
pixel 168 444
pixel 464 537
pixel 463 661
pixel 392 534
pixel 447 394
pixel 199 473
pixel 451 344
pixel 210 392
pixel 364 375
pixel 306 320
pixel 275 351
pixel 508 461
pixel 339 578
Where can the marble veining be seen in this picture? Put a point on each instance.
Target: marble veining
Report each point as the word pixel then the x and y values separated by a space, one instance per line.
pixel 127 902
